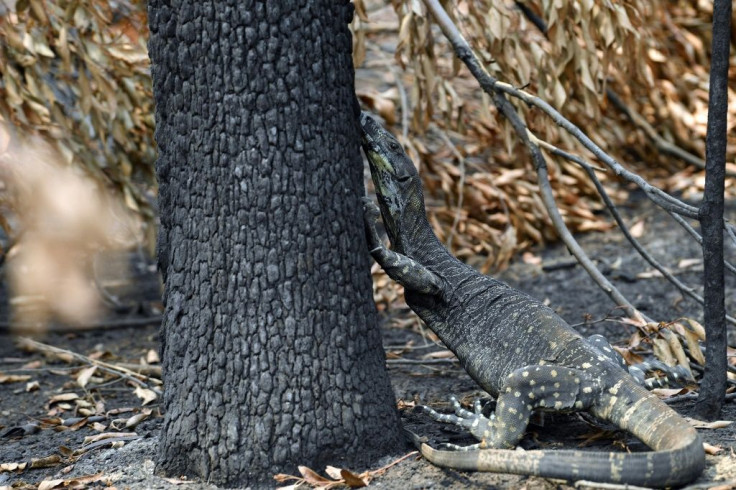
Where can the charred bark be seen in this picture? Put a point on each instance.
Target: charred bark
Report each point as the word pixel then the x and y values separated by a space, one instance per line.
pixel 270 350
pixel 713 385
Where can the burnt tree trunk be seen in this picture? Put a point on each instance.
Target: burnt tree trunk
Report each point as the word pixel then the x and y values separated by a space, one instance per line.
pixel 270 349
pixel 713 385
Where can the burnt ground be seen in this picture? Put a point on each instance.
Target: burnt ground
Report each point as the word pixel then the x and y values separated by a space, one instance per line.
pixel 31 423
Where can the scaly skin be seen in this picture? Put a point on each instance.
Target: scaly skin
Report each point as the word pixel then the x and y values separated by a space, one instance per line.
pixel 517 349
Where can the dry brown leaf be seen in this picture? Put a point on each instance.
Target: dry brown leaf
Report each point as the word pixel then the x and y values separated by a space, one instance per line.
pixel 710 449
pixel 333 472
pixel 62 397
pixel 152 357
pixel 137 419
pixel 693 343
pixel 45 462
pixel 716 424
pixel 530 258
pixel 84 375
pixel 145 394
pixel 637 229
pixel 13 378
pixel 355 481
pixel 697 328
pixel 107 435
pixel 686 263
pixel 669 392
pixel 313 478
pixel 12 467
pixel 51 484
pixel 79 425
pixel 663 352
pixel 440 354
pixel 179 481
pixel 676 348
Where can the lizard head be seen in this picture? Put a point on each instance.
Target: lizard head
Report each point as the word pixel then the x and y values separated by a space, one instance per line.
pixel 397 182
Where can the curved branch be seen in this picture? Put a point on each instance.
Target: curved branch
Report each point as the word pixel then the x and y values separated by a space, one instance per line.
pixel 589 169
pixel 492 87
pixel 658 196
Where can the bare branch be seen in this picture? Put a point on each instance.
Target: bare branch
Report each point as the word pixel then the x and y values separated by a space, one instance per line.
pixel 589 169
pixel 115 370
pixel 658 196
pixel 493 88
pixel 660 143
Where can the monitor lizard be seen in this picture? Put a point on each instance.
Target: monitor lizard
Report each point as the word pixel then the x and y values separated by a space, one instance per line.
pixel 517 349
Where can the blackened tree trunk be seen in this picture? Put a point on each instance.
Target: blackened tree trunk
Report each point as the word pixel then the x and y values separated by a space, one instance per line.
pixel 713 386
pixel 271 353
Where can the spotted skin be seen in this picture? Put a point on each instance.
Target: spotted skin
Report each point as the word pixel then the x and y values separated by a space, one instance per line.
pixel 517 349
pixel 672 376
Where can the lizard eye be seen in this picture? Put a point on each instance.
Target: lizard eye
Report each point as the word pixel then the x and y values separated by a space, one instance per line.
pixel 403 177
pixel 394 146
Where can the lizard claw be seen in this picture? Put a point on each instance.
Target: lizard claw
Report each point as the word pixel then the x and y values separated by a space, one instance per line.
pixel 370 210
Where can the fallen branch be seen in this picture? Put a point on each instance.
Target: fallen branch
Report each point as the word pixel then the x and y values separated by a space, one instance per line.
pixel 119 371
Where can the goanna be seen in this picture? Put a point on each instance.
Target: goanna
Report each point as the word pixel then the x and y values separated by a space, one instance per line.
pixel 517 349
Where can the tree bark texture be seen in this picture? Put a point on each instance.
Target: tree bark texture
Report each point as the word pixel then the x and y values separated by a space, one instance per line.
pixel 713 385
pixel 270 350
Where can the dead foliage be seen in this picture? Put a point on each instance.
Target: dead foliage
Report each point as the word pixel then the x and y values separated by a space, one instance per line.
pixel 337 477
pixel 80 405
pixel 652 55
pixel 77 74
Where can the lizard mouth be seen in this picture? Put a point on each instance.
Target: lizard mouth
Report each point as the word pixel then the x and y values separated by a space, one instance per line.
pixel 369 140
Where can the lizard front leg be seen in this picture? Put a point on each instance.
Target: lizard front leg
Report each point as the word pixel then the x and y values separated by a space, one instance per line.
pixel 402 269
pixel 546 387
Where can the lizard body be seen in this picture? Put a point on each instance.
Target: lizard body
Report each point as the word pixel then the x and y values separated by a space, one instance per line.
pixel 517 349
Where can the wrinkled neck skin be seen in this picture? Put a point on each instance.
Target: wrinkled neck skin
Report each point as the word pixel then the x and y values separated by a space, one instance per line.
pixel 405 220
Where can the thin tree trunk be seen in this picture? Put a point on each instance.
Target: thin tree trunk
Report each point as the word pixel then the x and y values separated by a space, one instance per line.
pixel 713 385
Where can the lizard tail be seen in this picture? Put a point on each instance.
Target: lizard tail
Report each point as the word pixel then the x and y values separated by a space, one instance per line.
pixel 678 457
pixel 650 469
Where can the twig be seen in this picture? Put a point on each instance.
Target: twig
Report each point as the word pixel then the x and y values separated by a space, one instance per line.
pixel 607 486
pixel 493 87
pixel 105 442
pixel 658 196
pixel 660 143
pixel 637 119
pixel 393 463
pixel 109 368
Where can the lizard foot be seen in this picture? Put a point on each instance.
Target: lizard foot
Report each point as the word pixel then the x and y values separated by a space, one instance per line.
pixel 677 375
pixel 476 423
